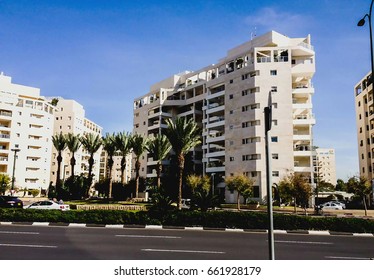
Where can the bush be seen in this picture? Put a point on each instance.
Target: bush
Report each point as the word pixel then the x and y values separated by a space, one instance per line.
pixel 214 219
pixel 34 192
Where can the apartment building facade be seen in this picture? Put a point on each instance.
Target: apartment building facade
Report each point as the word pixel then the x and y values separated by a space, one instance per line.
pixel 324 164
pixel 116 170
pixel 70 118
pixel 26 125
pixel 227 100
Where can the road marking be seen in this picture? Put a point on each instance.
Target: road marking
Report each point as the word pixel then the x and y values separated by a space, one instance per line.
pixel 347 258
pixel 303 242
pixel 26 245
pixel 183 251
pixel 19 232
pixel 149 236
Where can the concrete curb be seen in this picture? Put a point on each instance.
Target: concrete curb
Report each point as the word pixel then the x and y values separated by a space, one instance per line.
pixel 160 227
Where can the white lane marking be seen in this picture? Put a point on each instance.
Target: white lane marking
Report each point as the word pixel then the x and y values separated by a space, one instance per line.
pixel 149 236
pixel 347 258
pixel 19 232
pixel 183 251
pixel 319 232
pixel 26 245
pixel 303 242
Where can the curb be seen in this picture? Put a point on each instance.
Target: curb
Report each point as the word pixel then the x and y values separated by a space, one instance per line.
pixel 161 227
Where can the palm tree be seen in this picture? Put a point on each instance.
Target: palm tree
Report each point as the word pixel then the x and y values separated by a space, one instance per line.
pixel 59 142
pixel 123 142
pixel 92 143
pixel 139 145
pixel 73 144
pixel 109 145
pixel 159 147
pixel 183 135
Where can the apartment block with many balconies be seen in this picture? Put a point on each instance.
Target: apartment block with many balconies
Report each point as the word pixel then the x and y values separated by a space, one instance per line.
pixel 70 118
pixel 227 100
pixel 26 125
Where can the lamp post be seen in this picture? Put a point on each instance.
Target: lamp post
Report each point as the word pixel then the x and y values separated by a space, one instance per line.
pixel 14 168
pixel 362 23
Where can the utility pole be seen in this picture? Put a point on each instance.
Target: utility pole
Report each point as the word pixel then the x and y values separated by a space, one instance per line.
pixel 268 121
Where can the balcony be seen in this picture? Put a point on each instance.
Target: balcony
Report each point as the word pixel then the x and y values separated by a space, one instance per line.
pixel 215 169
pixel 216 94
pixel 215 154
pixel 304 120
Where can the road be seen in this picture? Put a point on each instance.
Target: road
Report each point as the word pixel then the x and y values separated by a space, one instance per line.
pixel 20 242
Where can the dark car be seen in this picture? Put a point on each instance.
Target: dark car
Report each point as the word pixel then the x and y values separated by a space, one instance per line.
pixel 10 202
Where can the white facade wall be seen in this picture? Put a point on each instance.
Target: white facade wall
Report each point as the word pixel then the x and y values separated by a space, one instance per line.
pixel 26 123
pixel 227 100
pixel 70 118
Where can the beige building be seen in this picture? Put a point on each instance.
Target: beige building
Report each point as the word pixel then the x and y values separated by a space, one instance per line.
pixel 365 125
pixel 70 117
pixel 324 164
pixel 116 171
pixel 227 100
pixel 26 124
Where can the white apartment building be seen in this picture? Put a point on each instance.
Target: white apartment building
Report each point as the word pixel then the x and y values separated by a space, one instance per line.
pixel 70 117
pixel 116 171
pixel 325 167
pixel 227 100
pixel 26 123
pixel 364 105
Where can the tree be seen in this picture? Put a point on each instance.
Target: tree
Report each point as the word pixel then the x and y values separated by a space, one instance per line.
pixel 296 187
pixel 139 146
pixel 92 143
pixel 123 142
pixel 159 147
pixel 73 144
pixel 5 182
pixel 183 135
pixel 361 187
pixel 109 145
pixel 241 184
pixel 59 142
pixel 201 196
pixel 341 185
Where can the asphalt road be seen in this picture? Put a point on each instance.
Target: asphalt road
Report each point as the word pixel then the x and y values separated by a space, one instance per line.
pixel 69 243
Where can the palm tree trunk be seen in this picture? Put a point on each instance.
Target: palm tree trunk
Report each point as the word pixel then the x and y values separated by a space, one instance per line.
pixel 123 168
pixel 364 200
pixel 110 177
pixel 58 177
pixel 137 168
pixel 72 163
pixel 90 166
pixel 180 179
pixel 159 170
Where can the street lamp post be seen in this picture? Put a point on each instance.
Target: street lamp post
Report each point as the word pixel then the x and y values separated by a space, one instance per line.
pixel 361 23
pixel 14 168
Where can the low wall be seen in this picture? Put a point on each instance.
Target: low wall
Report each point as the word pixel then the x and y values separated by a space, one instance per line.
pixel 111 207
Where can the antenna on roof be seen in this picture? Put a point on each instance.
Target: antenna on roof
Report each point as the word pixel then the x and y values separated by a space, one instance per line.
pixel 253 33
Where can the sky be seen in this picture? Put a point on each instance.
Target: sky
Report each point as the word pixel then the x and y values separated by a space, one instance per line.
pixel 104 54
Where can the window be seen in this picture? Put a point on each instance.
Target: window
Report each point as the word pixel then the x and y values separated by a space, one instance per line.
pixel 275 105
pixel 231 96
pixel 274 156
pixel 251 157
pixel 245 76
pixel 273 72
pixel 244 92
pixel 231 81
pixel 359 103
pixel 275 173
pixel 360 129
pixel 231 112
pixel 232 158
pixel 255 106
pixel 274 139
pixel 274 122
pixel 245 108
pixel 274 89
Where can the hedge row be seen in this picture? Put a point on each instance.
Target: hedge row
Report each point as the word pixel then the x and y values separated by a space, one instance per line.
pixel 214 219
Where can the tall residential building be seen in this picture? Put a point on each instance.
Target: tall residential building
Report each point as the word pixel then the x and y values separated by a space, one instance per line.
pixel 227 100
pixel 364 105
pixel 70 117
pixel 26 123
pixel 324 164
pixel 116 171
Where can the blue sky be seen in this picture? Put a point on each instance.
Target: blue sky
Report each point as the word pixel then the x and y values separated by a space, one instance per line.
pixel 106 53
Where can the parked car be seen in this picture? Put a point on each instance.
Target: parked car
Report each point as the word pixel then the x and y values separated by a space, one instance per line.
pixel 339 203
pixel 331 206
pixel 10 202
pixel 48 205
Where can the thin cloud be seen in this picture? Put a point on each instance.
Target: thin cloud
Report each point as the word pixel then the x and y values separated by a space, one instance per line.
pixel 271 18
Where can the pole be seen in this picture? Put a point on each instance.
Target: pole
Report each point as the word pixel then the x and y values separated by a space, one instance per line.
pixel 268 123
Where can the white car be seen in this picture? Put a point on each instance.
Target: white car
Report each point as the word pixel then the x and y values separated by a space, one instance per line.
pixel 48 205
pixel 339 203
pixel 331 206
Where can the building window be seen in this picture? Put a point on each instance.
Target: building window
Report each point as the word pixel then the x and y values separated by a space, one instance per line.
pixel 232 158
pixel 251 157
pixel 273 72
pixel 359 103
pixel 231 96
pixel 256 191
pixel 274 156
pixel 274 89
pixel 274 122
pixel 275 105
pixel 231 112
pixel 245 108
pixel 274 139
pixel 231 81
pixel 275 173
pixel 245 76
pixel 360 129
pixel 244 92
